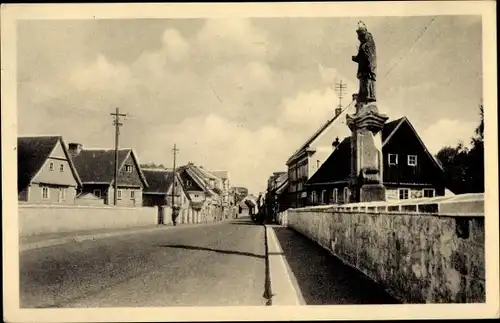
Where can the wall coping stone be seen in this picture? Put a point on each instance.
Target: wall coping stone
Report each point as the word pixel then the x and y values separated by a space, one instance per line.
pixel 463 205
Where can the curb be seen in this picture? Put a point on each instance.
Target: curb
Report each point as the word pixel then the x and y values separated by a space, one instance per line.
pixel 81 238
pixel 283 284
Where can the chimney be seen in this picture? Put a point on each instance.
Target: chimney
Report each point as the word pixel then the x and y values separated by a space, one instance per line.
pixel 338 111
pixel 336 143
pixel 74 149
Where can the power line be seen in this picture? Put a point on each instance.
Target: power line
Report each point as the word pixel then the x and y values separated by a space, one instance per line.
pixel 429 23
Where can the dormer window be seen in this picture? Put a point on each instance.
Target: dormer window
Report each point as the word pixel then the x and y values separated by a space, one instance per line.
pixel 128 168
pixel 412 160
pixel 393 159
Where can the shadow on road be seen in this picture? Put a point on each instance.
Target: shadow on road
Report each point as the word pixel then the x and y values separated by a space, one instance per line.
pixel 230 252
pixel 322 278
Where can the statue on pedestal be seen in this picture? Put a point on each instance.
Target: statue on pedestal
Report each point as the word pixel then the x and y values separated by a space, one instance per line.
pixel 366 126
pixel 367 65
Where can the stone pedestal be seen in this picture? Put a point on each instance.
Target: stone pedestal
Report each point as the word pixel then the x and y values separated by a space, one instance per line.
pixel 366 153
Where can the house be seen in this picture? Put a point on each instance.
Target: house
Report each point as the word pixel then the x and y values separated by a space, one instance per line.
pixel 202 191
pixel 304 162
pixel 45 171
pixel 223 176
pixel 274 182
pixel 161 184
pixel 282 196
pixel 159 190
pixel 96 168
pixel 409 169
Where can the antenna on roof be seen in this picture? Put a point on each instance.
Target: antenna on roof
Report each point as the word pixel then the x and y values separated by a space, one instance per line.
pixel 340 89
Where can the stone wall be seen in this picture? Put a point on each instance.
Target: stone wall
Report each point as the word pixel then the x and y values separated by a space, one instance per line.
pixel 42 219
pixel 422 251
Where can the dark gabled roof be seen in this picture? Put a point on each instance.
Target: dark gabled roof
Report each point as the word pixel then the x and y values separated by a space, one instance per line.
pixel 32 152
pixel 337 167
pixel 390 127
pixel 159 181
pixel 98 165
pixel 316 134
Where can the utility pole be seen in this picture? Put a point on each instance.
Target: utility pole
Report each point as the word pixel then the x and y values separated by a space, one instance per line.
pixel 117 125
pixel 174 214
pixel 340 89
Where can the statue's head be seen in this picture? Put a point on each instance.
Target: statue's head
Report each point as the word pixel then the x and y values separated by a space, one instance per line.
pixel 362 31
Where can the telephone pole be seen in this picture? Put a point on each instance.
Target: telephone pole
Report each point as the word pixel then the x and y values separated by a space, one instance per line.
pixel 174 214
pixel 117 125
pixel 340 89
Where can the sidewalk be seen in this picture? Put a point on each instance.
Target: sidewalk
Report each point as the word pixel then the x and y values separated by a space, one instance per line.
pixel 322 279
pixel 53 239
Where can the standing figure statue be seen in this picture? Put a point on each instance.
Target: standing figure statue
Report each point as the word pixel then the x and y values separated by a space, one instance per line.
pixel 367 65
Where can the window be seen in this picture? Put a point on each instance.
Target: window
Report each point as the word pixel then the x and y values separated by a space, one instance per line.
pixel 61 168
pixel 132 194
pixel 335 196
pixel 62 193
pixel 412 160
pixel 323 196
pixel 97 193
pixel 346 194
pixel 404 193
pixel 188 183
pixel 128 168
pixel 313 197
pixel 119 194
pixel 393 159
pixel 429 192
pixel 51 167
pixel 45 193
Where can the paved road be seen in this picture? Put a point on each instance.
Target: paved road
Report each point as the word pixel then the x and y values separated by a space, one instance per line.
pixel 213 265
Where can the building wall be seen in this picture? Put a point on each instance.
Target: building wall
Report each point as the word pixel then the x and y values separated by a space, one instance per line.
pixel 42 219
pixel 404 143
pixel 131 178
pixel 126 198
pixel 34 194
pixel 417 257
pixel 54 175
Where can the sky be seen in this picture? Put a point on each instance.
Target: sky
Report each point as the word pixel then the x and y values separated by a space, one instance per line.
pixel 239 94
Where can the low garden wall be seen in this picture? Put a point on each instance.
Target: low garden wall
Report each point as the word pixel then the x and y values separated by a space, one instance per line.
pixel 421 251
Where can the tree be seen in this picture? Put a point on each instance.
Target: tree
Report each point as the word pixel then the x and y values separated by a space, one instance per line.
pixel 152 165
pixel 464 168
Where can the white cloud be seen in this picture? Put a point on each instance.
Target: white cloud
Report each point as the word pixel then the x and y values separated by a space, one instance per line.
pixel 100 75
pixel 448 132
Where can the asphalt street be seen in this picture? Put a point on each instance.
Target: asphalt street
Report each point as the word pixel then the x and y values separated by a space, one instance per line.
pixel 213 265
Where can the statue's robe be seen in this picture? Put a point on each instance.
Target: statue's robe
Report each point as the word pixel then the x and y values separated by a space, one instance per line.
pixel 367 69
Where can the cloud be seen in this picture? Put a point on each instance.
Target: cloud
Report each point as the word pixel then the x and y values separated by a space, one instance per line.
pixel 238 94
pixel 218 143
pixel 448 132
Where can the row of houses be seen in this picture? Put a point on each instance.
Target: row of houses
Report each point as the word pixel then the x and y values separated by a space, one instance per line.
pixel 51 172
pixel 319 171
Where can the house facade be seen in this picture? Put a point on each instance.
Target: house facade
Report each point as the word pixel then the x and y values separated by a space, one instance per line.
pixel 96 170
pixel 307 160
pixel 201 190
pixel 46 173
pixel 159 190
pixel 409 169
pixel 275 181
